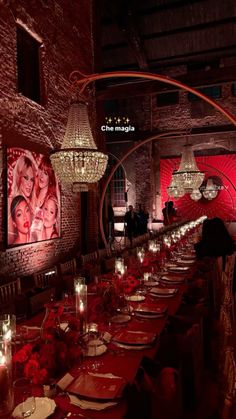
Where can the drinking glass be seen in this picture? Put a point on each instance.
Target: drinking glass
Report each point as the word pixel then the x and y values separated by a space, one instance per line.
pixel 23 397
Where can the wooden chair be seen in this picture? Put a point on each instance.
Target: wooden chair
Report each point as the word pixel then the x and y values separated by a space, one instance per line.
pixel 101 254
pixel 9 291
pixel 68 267
pixel 229 266
pixel 46 278
pixel 68 271
pixel 88 258
pixel 90 265
pixel 228 390
pixel 12 300
pixel 47 288
pixel 226 329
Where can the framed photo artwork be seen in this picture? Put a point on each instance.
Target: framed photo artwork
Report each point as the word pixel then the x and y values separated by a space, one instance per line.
pixel 33 198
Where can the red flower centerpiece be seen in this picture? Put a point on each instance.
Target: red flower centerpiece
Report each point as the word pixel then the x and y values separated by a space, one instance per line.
pixel 56 350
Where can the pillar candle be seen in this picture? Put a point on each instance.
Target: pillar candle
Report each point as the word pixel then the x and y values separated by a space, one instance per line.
pixel 4 385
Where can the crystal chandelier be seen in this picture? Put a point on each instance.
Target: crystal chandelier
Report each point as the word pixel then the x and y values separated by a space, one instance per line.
pixel 210 192
pixel 188 176
pixel 78 160
pixel 196 195
pixel 173 190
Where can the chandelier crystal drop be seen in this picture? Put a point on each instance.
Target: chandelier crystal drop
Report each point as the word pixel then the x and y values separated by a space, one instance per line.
pixel 210 192
pixel 196 195
pixel 188 176
pixel 173 190
pixel 78 160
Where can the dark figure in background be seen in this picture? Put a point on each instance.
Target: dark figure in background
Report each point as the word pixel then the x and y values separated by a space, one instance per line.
pixel 131 223
pixel 169 213
pixel 110 219
pixel 216 240
pixel 142 220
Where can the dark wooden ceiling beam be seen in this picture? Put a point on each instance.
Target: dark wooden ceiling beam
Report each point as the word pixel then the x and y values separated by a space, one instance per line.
pixel 216 24
pixel 181 59
pixel 127 25
pixel 194 79
pixel 145 11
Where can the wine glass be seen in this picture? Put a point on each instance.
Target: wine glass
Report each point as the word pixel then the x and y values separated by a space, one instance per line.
pixel 23 396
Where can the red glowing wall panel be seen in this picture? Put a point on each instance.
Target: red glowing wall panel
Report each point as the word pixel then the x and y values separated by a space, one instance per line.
pixel 223 169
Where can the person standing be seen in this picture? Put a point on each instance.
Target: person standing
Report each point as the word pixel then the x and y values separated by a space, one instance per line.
pixel 131 223
pixel 169 213
pixel 143 217
pixel 111 222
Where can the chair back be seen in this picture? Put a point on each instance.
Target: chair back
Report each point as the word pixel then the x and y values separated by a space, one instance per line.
pixel 9 291
pixel 102 253
pixel 225 322
pixel 46 278
pixel 68 267
pixel 228 390
pixel 89 257
pixel 229 266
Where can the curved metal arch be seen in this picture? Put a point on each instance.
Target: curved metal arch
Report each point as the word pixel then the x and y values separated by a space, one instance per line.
pixel 81 80
pixel 168 135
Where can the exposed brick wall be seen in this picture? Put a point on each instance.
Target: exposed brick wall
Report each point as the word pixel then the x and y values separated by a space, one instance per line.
pixel 65 29
pixel 93 220
pixel 143 176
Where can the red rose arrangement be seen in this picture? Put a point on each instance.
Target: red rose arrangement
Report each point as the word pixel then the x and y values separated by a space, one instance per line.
pixel 110 296
pixel 130 284
pixel 48 358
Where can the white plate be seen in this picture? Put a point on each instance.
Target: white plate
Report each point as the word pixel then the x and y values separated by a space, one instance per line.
pixel 161 295
pixel 132 347
pixel 44 408
pixel 150 283
pixel 178 268
pixel 163 292
pixel 135 298
pixel 120 318
pixel 172 280
pixel 185 261
pixel 150 316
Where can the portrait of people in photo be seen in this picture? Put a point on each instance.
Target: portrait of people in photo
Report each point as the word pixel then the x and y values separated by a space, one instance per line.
pixel 33 198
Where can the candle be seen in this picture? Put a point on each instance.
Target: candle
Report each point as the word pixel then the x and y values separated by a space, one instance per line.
pixel 92 328
pixel 81 308
pixel 5 385
pixel 81 305
pixel 81 313
pixel 146 276
pixel 119 266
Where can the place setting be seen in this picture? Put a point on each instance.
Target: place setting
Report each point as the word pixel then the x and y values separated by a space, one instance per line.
pixel 134 339
pixel 185 262
pixel 150 311
pixel 172 279
pixel 163 292
pixel 93 390
pixel 176 268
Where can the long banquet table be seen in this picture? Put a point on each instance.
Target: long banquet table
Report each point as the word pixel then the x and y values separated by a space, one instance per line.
pixel 120 362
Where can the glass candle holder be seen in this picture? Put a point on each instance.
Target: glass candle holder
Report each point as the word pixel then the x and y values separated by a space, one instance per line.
pixel 8 322
pixel 81 304
pixel 119 266
pixel 6 391
pixel 146 276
